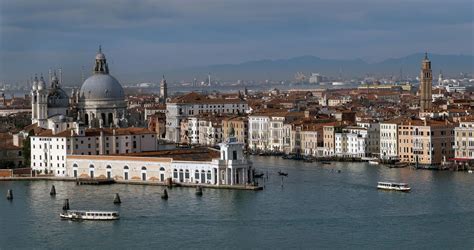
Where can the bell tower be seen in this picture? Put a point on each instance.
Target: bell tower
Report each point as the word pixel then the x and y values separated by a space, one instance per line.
pixel 163 90
pixel 426 82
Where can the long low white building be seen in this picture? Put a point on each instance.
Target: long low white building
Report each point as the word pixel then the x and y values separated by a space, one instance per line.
pixel 227 166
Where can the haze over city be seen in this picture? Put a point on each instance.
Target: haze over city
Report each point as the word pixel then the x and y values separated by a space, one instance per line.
pixel 147 38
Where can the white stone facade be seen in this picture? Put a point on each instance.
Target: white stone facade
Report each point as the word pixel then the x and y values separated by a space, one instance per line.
pixel 231 168
pixel 388 140
pixel 49 152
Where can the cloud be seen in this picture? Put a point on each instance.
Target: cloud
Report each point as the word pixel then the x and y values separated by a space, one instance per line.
pixel 154 34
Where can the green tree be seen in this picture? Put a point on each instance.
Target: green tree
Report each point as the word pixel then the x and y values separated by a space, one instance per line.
pixel 27 149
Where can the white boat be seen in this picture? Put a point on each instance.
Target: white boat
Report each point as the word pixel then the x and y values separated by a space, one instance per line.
pixel 374 162
pixel 89 215
pixel 403 187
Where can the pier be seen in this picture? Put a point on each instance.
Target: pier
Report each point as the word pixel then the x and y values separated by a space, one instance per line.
pixel 88 181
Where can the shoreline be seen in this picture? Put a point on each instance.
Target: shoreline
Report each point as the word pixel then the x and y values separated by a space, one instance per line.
pixel 186 185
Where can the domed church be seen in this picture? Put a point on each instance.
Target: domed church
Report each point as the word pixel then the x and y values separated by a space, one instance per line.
pixel 101 101
pixel 48 104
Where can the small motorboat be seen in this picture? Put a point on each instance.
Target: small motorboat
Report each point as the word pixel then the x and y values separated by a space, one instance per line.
pixel 326 162
pixel 89 215
pixel 260 175
pixel 393 186
pixel 282 173
pixel 374 162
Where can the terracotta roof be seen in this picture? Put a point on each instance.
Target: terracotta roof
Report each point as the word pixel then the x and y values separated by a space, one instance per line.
pixel 96 132
pixel 196 98
pixel 191 154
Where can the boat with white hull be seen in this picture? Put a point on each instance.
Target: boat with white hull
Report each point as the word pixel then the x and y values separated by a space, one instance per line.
pixel 89 215
pixel 393 186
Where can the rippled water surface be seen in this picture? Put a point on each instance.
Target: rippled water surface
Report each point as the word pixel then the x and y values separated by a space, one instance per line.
pixel 316 207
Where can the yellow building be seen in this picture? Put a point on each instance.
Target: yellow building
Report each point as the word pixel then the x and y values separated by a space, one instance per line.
pixel 236 126
pixel 428 142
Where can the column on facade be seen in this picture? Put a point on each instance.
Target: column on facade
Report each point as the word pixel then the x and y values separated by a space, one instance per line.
pixel 227 176
pixel 232 172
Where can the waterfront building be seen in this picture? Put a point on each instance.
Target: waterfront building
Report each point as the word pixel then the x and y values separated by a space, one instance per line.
pixel 194 104
pixel 464 140
pixel 389 139
pixel 311 137
pixel 205 166
pixel 373 136
pixel 49 150
pixel 426 142
pixel 269 130
pixel 426 81
pixel 329 138
pixel 351 142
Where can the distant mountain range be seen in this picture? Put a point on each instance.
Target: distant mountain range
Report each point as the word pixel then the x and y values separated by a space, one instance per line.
pixel 281 69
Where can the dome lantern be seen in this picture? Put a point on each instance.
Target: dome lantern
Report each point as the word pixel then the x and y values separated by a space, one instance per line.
pixel 101 66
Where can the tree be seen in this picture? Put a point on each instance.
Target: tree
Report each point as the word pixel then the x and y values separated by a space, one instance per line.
pixel 27 149
pixel 5 164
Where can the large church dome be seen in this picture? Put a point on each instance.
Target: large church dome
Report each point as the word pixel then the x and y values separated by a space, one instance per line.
pixel 101 86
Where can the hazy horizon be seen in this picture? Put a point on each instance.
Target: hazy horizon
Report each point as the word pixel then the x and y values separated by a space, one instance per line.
pixel 159 36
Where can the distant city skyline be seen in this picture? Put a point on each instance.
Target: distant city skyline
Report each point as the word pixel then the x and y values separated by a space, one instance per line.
pixel 156 36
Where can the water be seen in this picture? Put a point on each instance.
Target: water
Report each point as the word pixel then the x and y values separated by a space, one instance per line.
pixel 317 207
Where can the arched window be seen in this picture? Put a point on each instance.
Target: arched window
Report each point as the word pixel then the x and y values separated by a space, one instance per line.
pixel 143 173
pixel 109 172
pixel 175 173
pixel 125 173
pixel 209 175
pixel 91 171
pixel 196 175
pixel 186 174
pixel 162 169
pixel 74 170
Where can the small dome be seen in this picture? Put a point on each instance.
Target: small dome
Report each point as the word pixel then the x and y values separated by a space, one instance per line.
pixel 58 98
pixel 41 84
pixel 100 56
pixel 100 87
pixel 35 85
pixel 54 79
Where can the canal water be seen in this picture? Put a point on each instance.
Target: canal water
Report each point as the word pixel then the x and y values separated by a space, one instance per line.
pixel 316 206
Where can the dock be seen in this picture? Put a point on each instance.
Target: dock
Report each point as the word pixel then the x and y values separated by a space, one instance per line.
pixel 89 181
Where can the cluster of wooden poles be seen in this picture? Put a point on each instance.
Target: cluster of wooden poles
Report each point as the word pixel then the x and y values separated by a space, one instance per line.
pixel 117 200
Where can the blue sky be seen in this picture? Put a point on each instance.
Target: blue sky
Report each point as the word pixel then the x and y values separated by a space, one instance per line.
pixel 155 35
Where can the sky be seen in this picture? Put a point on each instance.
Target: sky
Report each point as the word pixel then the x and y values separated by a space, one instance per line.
pixel 156 36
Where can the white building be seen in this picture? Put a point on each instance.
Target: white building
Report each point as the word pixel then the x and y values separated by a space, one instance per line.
pixel 270 131
pixel 351 142
pixel 389 140
pixel 373 137
pixel 49 151
pixel 258 131
pixel 203 166
pixel 193 104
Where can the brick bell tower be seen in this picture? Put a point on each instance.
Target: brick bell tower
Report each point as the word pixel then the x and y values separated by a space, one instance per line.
pixel 426 82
